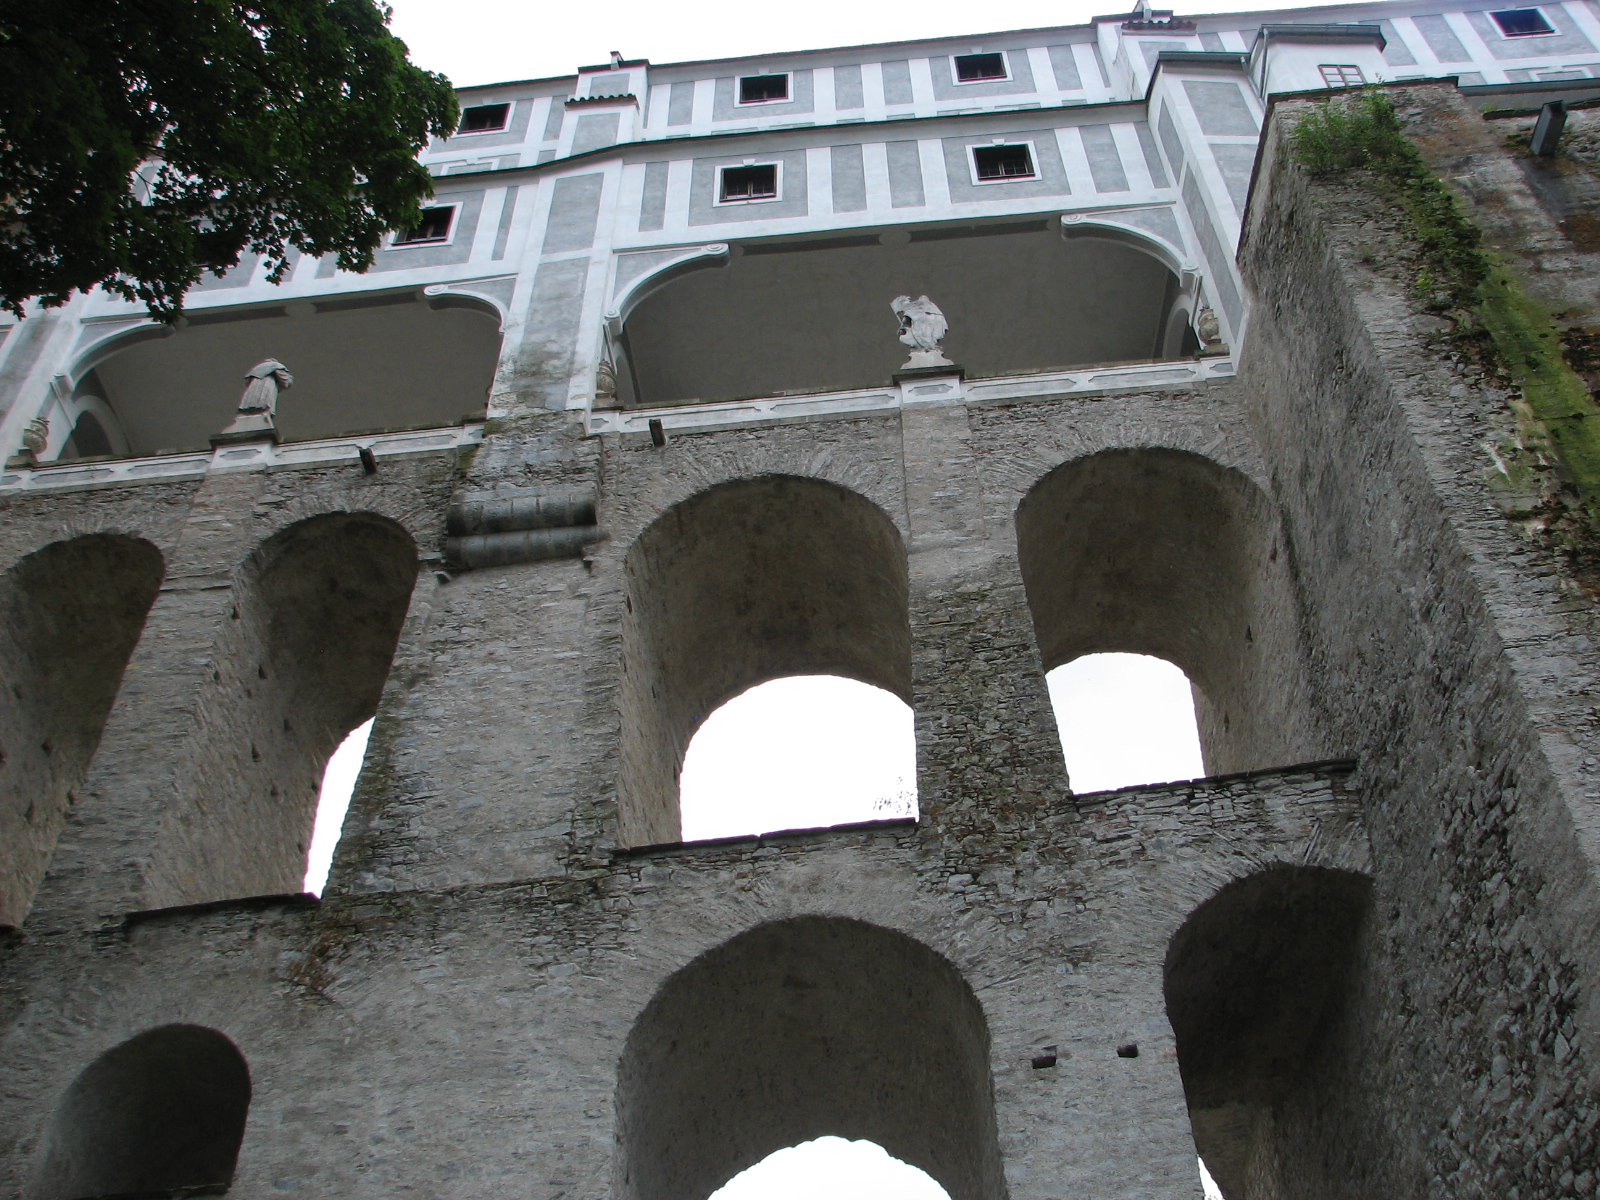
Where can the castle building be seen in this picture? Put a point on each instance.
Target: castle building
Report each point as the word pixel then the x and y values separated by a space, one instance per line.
pixel 934 365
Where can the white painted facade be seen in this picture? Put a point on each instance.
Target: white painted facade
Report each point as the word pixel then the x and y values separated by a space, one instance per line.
pixel 599 189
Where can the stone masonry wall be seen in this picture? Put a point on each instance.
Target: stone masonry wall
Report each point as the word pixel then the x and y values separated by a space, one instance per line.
pixel 463 1042
pixel 448 1020
pixel 1456 660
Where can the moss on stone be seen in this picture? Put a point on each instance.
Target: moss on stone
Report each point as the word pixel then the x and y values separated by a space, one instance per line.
pixel 1530 346
pixel 1360 133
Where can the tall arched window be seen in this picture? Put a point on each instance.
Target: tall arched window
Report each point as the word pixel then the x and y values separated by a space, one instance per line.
pixel 162 1114
pixel 799 1029
pixel 301 663
pixel 70 616
pixel 1257 982
pixel 1166 553
pixel 747 582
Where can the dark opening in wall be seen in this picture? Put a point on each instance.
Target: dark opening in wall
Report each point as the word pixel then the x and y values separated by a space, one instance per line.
pixel 973 68
pixel 1257 981
pixel 1522 22
pixel 758 182
pixel 763 89
pixel 484 118
pixel 70 616
pixel 160 1115
pixel 434 227
pixel 1003 162
pixel 797 1029
pixel 748 581
pixel 1166 553
pixel 319 609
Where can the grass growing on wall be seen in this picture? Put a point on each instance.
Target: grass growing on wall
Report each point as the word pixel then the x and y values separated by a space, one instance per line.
pixel 1361 132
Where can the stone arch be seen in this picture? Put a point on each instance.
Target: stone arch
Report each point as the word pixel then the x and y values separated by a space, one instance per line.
pixel 162 1114
pixel 317 613
pixel 748 581
pixel 800 1028
pixel 1259 984
pixel 70 616
pixel 1166 552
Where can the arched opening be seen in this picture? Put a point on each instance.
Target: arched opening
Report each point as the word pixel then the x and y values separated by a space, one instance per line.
pixel 746 582
pixel 1166 553
pixel 1124 720
pixel 160 1115
pixel 1257 982
pixel 813 313
pixel 800 1029
pixel 832 1167
pixel 302 662
pixel 799 753
pixel 360 364
pixel 70 616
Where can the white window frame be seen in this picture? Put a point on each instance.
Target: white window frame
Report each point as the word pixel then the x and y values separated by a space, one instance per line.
pixel 738 89
pixel 1500 29
pixel 455 225
pixel 777 165
pixel 1361 76
pixel 1033 157
pixel 1005 61
pixel 510 104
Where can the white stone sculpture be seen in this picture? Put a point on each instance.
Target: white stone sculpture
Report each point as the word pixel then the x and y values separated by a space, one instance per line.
pixel 259 404
pixel 922 327
pixel 1208 328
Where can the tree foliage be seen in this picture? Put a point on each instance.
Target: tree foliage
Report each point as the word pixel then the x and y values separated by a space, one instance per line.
pixel 145 142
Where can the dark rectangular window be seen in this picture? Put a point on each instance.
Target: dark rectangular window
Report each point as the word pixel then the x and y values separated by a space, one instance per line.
pixel 750 183
pixel 762 89
pixel 435 227
pixel 1003 162
pixel 970 68
pixel 1521 22
pixel 484 118
pixel 1341 75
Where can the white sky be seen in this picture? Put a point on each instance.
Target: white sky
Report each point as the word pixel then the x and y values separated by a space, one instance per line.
pixel 833 1168
pixel 800 752
pixel 338 780
pixel 1124 719
pixel 494 41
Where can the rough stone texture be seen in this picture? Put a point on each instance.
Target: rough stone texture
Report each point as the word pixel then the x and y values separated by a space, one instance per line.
pixel 1372 975
pixel 1469 670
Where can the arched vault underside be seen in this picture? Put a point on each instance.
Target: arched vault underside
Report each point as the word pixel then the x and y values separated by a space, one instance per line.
pixel 799 1029
pixel 360 364
pixel 807 314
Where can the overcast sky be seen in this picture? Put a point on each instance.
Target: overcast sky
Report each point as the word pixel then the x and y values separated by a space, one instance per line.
pixel 492 41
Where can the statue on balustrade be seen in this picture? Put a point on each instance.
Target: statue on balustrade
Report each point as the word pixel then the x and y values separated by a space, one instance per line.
pixel 922 327
pixel 258 407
